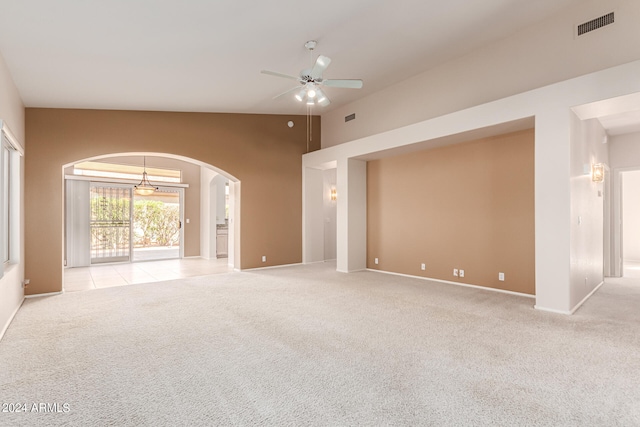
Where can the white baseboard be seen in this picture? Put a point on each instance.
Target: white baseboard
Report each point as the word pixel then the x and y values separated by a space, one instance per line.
pixel 44 295
pixel 353 271
pixel 466 285
pixel 271 267
pixel 574 309
pixel 552 310
pixel 6 326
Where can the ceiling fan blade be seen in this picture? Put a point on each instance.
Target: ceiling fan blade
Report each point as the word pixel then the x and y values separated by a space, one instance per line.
pixel 345 83
pixel 321 64
pixel 286 92
pixel 273 73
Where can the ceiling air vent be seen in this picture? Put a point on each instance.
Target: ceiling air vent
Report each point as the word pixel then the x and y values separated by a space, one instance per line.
pixel 350 117
pixel 594 24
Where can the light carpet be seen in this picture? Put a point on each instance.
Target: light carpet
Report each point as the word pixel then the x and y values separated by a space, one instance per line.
pixel 305 345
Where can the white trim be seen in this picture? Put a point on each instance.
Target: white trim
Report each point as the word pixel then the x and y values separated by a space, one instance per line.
pixel 50 294
pixel 11 137
pixel 122 181
pixel 6 326
pixel 181 208
pixel 270 267
pixel 586 298
pixel 466 285
pixel 551 310
pixel 351 271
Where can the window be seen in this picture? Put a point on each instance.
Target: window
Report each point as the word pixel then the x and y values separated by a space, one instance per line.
pixel 118 171
pixel 10 153
pixel 6 202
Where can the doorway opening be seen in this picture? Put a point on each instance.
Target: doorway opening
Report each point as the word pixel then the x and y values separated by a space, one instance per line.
pixel 193 213
pixel 630 224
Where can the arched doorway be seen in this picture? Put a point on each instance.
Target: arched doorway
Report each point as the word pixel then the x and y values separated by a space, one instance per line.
pixel 184 190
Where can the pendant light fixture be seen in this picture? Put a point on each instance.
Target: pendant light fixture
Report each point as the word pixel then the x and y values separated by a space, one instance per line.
pixel 145 188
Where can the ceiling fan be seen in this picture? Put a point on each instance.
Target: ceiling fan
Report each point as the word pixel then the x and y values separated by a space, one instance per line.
pixel 310 81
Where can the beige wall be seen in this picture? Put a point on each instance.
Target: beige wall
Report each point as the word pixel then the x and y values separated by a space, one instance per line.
pixel 259 150
pixel 12 113
pixel 468 206
pixel 11 107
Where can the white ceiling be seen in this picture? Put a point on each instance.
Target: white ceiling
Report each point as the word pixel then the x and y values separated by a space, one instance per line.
pixel 206 55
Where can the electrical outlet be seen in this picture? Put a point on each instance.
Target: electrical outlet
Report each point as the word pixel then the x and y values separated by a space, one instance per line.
pixel 423 266
pixel 501 277
pixel 461 273
pixel 264 258
pixel 455 272
pixel 375 261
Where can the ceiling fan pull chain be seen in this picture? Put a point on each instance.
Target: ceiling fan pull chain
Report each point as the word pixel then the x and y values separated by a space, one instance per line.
pixel 308 126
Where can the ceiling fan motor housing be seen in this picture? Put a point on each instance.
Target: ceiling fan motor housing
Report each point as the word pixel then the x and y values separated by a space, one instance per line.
pixel 311 80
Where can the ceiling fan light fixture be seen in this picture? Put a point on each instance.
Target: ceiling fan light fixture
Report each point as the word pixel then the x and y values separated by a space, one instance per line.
pixel 301 94
pixel 322 99
pixel 311 80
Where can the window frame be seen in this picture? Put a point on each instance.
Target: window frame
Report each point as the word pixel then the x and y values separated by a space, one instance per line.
pixel 11 155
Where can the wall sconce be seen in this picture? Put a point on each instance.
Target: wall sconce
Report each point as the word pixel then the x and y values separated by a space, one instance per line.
pixel 334 194
pixel 597 172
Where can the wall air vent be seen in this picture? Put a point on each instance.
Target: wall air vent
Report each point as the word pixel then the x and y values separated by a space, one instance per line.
pixel 594 24
pixel 350 117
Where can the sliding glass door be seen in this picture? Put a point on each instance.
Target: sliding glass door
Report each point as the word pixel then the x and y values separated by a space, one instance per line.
pixel 125 226
pixel 157 225
pixel 110 223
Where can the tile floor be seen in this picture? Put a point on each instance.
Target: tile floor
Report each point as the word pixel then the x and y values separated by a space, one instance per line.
pixel 105 276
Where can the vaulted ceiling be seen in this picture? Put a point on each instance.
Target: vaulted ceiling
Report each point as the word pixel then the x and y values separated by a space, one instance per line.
pixel 206 55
